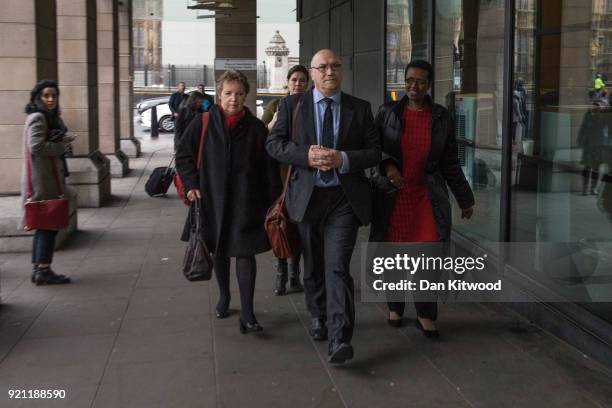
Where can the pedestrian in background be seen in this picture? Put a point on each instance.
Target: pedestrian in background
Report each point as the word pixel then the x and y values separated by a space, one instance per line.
pixel 45 143
pixel 208 100
pixel 297 81
pixel 176 99
pixel 188 111
pixel 411 203
pixel 237 183
pixel 593 138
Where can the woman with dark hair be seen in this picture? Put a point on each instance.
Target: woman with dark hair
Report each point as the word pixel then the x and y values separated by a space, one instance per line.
pixel 45 146
pixel 297 81
pixel 420 159
pixel 187 111
pixel 237 182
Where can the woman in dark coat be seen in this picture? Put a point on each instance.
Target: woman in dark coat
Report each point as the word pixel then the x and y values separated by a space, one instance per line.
pixel 297 81
pixel 419 160
pixel 45 144
pixel 237 182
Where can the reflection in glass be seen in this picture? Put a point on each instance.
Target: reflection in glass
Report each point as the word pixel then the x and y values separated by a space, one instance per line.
pixel 561 144
pixel 469 43
pixel 407 39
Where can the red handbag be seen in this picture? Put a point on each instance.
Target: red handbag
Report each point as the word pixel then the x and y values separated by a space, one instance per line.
pixel 178 183
pixel 50 214
pixel 282 233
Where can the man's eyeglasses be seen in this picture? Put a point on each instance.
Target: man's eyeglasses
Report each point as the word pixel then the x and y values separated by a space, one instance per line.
pixel 324 67
pixel 419 82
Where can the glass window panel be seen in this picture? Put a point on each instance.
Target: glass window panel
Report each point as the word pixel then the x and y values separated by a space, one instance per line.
pixel 407 39
pixel 469 44
pixel 561 141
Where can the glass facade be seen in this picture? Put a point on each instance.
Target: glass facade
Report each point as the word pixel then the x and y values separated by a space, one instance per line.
pixel 561 151
pixel 468 49
pixel 407 39
pixel 555 184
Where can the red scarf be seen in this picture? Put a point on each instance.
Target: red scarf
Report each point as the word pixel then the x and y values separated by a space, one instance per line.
pixel 230 121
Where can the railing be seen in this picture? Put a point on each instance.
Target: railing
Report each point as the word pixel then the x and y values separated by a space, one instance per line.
pixel 167 76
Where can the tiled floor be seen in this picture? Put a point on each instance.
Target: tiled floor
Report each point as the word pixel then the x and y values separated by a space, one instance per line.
pixel 130 331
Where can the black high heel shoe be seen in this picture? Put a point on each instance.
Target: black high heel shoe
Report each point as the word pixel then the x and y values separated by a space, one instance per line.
pixel 430 334
pixel 396 323
pixel 246 327
pixel 222 309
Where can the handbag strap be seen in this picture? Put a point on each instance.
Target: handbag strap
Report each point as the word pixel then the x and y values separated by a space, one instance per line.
pixel 205 119
pixel 293 139
pixel 28 159
pixel 195 215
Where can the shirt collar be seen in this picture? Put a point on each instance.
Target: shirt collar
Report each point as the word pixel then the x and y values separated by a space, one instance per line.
pixel 318 96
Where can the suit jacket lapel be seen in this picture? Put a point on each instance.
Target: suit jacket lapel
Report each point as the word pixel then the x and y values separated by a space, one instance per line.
pixel 307 114
pixel 346 116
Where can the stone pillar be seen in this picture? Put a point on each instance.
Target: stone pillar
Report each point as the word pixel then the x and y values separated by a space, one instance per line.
pixel 78 79
pixel 28 53
pixel 129 144
pixel 108 87
pixel 236 37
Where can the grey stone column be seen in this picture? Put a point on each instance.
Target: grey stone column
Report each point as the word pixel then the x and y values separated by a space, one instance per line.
pixel 78 78
pixel 28 53
pixel 108 86
pixel 236 37
pixel 129 144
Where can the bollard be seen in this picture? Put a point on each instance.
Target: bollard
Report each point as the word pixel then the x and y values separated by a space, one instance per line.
pixel 154 125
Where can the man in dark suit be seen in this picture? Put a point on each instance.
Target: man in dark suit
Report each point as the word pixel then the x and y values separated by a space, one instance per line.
pixel 328 195
pixel 176 99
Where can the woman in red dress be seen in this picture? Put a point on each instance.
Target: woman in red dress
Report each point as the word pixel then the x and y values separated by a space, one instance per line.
pixel 419 159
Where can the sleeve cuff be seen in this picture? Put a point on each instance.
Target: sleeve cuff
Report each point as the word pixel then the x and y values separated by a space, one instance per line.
pixel 345 164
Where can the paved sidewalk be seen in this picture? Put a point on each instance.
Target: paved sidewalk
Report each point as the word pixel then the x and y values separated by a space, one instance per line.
pixel 130 331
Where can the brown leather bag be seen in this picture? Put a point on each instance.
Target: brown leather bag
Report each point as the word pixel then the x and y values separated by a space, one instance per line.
pixel 282 233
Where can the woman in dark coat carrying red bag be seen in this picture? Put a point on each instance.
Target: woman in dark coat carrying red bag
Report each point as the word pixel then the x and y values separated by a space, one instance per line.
pixel 45 144
pixel 237 182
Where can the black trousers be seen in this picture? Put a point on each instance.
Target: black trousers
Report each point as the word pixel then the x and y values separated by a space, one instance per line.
pixel 43 246
pixel 246 272
pixel 328 233
pixel 424 310
pixel 425 302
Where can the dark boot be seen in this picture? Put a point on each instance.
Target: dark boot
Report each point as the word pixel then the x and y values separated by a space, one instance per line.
pixel 46 276
pixel 280 286
pixel 294 278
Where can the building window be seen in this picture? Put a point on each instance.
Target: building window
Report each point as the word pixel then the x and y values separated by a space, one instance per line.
pixel 561 188
pixel 407 39
pixel 469 43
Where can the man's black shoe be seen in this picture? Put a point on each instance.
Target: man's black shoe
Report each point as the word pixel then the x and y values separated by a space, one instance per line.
pixel 339 352
pixel 318 330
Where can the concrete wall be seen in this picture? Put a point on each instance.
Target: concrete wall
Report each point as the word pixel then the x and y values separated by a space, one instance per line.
pixel 355 31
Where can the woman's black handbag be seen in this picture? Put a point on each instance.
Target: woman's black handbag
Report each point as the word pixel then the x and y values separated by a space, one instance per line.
pixel 198 263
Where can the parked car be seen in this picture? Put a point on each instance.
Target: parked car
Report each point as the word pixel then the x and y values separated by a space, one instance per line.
pixel 165 120
pixel 149 103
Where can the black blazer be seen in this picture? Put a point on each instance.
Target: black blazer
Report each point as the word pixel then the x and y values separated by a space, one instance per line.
pixel 358 138
pixel 441 168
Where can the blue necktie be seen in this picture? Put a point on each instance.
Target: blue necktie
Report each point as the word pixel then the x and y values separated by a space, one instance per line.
pixel 327 136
